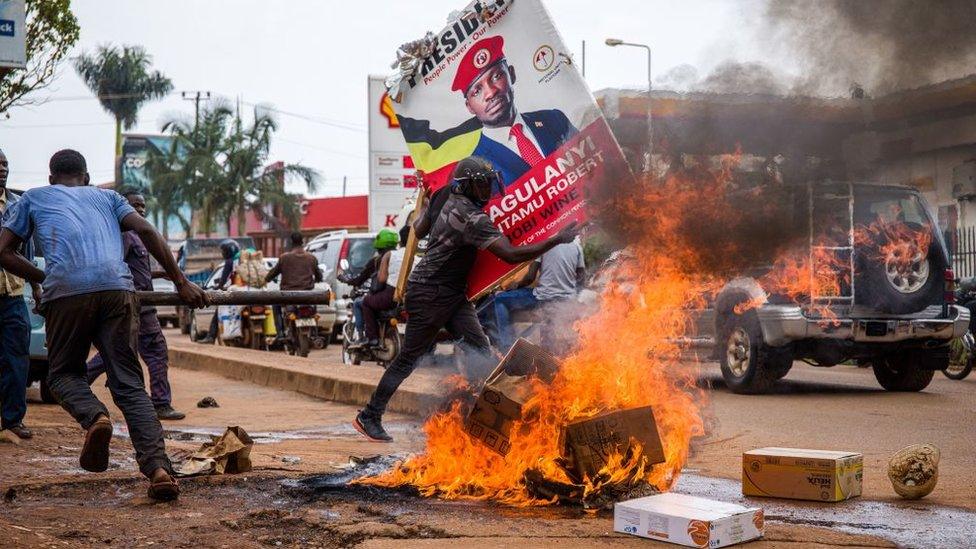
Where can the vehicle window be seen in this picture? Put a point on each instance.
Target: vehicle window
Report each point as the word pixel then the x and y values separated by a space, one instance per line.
pixel 360 252
pixel 328 254
pixel 890 208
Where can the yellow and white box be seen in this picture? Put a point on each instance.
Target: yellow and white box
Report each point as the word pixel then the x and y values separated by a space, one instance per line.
pixel 794 473
pixel 687 520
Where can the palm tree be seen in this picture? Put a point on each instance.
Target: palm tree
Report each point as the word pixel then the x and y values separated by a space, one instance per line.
pixel 219 167
pixel 122 80
pixel 251 183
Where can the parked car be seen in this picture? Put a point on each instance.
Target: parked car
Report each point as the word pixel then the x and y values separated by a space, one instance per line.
pixel 167 314
pixel 200 319
pixel 896 315
pixel 338 252
pixel 38 344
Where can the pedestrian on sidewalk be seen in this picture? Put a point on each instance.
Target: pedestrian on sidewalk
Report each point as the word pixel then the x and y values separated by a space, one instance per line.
pixel 437 285
pixel 152 342
pixel 88 298
pixel 14 331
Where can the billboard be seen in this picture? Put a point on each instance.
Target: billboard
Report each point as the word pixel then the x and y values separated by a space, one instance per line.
pixel 500 84
pixel 392 179
pixel 135 153
pixel 13 41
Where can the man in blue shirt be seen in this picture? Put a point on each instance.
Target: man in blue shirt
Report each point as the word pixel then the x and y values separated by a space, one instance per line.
pixel 88 298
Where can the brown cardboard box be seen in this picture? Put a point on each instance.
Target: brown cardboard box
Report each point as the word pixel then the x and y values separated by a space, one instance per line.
pixel 793 473
pixel 588 443
pixel 500 403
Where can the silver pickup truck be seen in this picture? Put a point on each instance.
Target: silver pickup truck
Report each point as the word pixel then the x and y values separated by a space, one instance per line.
pixel 891 310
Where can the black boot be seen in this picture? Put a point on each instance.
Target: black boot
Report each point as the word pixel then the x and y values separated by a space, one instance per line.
pixel 371 427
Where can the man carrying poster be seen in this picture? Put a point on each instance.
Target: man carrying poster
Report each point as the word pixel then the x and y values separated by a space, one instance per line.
pixel 551 146
pixel 436 288
pixel 512 141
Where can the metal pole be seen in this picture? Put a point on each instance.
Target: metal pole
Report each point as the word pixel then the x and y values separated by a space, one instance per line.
pixel 250 297
pixel 343 185
pixel 650 129
pixel 584 58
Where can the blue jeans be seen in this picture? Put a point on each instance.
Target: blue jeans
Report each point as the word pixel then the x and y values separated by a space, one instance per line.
pixel 14 360
pixel 357 315
pixel 506 303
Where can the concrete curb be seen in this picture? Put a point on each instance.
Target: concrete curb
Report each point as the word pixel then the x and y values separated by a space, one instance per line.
pixel 355 388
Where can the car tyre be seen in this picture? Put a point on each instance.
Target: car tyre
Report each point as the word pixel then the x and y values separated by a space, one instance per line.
pixel 748 364
pixel 904 372
pixel 881 287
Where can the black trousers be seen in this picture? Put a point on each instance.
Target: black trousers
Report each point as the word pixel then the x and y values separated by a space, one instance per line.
pixel 429 308
pixel 110 321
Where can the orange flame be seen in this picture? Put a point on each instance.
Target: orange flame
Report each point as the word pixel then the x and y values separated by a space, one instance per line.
pixel 626 357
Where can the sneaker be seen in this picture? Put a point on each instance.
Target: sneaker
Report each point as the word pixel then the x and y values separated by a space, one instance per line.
pixel 21 431
pixel 371 427
pixel 166 411
pixel 163 487
pixel 94 454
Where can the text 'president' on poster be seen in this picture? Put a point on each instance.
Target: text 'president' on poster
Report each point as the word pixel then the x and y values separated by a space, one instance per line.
pixel 500 84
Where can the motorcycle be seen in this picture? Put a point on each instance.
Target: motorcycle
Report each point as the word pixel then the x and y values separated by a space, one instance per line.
pixel 962 350
pixel 252 325
pixel 389 337
pixel 302 329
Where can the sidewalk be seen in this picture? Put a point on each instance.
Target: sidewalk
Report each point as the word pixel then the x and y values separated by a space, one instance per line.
pixel 321 376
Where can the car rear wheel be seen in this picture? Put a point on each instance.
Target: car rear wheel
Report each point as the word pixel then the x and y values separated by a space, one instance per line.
pixel 905 372
pixel 898 279
pixel 748 364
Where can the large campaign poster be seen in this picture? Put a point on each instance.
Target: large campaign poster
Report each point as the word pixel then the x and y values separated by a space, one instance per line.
pixel 392 177
pixel 500 84
pixel 13 34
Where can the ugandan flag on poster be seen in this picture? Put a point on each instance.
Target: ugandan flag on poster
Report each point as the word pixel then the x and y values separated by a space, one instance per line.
pixel 435 153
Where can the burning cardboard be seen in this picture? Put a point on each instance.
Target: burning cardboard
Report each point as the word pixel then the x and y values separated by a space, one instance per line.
pixel 500 404
pixel 589 444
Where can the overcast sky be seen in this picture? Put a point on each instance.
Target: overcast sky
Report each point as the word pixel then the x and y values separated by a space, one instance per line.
pixel 311 58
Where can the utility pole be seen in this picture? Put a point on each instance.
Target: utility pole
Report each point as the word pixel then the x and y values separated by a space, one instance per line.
pixel 196 97
pixel 584 59
pixel 343 185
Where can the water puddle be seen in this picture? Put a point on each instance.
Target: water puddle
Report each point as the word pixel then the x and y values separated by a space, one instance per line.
pixel 910 524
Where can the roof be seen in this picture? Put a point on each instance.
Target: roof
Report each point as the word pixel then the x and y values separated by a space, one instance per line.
pixel 345 212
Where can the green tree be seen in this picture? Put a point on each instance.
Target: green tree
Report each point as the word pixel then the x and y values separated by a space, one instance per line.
pixel 223 170
pixel 251 184
pixel 51 32
pixel 122 80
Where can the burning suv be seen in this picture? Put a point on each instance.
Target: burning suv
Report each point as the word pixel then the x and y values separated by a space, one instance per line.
pixel 871 282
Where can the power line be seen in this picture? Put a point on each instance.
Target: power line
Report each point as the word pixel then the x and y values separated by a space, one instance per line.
pixel 66 125
pixel 316 147
pixel 309 118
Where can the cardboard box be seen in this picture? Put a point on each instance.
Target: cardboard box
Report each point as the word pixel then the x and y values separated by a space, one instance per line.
pixel 793 473
pixel 588 443
pixel 687 520
pixel 500 403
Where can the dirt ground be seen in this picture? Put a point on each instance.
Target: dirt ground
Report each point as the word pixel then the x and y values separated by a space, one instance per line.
pixel 50 502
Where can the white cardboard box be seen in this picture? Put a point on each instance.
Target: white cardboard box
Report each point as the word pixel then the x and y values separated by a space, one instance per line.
pixel 687 520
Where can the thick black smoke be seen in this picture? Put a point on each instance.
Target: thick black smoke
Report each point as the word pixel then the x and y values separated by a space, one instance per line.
pixel 884 45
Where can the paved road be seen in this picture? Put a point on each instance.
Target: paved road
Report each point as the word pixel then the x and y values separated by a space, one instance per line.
pixel 52 503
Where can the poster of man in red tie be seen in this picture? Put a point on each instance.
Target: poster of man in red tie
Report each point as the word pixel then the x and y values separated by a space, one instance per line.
pixel 500 84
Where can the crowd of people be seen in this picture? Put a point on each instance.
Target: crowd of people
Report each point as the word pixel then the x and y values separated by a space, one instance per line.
pixel 97 246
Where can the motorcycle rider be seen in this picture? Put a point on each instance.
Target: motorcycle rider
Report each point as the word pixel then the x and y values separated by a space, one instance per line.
pixel 379 294
pixel 299 270
pixel 437 285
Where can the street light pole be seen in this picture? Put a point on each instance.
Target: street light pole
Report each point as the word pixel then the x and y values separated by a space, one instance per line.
pixel 613 42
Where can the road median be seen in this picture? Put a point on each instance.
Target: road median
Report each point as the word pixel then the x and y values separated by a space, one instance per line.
pixel 316 377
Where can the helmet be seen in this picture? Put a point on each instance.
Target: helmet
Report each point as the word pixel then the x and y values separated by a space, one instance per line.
pixel 385 240
pixel 229 248
pixel 476 178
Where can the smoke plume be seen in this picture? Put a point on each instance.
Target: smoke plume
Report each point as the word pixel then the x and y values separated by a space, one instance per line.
pixel 885 45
